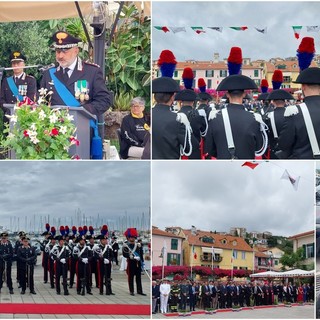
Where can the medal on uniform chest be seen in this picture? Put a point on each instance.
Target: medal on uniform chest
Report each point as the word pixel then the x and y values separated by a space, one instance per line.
pixel 81 90
pixel 22 89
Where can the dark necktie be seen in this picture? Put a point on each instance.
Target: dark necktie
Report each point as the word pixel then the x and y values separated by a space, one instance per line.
pixel 65 74
pixel 16 79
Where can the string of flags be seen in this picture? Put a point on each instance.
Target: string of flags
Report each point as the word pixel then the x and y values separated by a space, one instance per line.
pixel 200 29
pixel 286 176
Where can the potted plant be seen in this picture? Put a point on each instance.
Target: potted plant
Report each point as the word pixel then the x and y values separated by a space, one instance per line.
pixel 184 313
pixel 210 311
pixel 236 308
pixel 287 304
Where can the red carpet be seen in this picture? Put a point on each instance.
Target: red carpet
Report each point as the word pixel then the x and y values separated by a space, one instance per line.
pixel 111 309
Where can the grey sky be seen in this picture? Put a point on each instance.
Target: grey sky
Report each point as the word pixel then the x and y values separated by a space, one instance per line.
pixel 278 17
pixel 217 195
pixel 65 191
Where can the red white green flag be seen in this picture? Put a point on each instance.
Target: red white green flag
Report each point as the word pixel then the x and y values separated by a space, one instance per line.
pixel 198 30
pixel 239 28
pixel 297 30
pixel 164 28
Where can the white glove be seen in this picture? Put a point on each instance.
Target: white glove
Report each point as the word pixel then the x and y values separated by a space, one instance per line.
pixel 106 261
pixel 115 250
pixel 63 260
pixel 85 260
pixel 137 258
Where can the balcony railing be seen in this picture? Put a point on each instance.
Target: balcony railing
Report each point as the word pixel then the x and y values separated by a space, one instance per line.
pixel 209 258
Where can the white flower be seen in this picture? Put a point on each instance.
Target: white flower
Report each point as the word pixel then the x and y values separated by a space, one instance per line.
pixel 11 135
pixel 33 127
pixel 69 117
pixel 63 129
pixel 53 118
pixel 12 118
pixel 34 140
pixel 50 93
pixel 41 100
pixel 42 115
pixel 43 91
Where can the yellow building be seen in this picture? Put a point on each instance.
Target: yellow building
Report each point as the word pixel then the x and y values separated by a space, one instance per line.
pixel 205 248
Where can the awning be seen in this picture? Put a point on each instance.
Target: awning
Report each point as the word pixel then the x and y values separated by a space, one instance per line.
pixel 15 11
pixel 296 273
pixel 209 250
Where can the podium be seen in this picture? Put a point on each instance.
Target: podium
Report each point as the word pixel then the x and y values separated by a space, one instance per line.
pixel 81 119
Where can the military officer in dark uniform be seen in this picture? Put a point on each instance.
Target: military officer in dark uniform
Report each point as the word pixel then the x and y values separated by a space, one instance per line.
pixel 132 250
pixel 197 118
pixel 83 255
pixel 235 133
pixel 204 98
pixel 47 250
pixel 61 254
pixel 115 249
pixel 93 262
pixel 84 80
pixel 19 85
pixel 104 254
pixel 299 138
pixel 171 132
pixel 45 255
pixel 27 257
pixel 275 118
pixel 17 245
pixel 6 256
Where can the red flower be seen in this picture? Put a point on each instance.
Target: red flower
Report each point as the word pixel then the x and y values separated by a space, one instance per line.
pixel 75 141
pixel 54 132
pixel 26 101
pixel 25 133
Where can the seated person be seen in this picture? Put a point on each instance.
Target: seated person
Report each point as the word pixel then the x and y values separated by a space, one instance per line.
pixel 134 130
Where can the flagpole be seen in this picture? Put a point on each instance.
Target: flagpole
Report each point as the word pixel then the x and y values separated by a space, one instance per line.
pixel 163 256
pixel 232 265
pixel 192 260
pixel 212 258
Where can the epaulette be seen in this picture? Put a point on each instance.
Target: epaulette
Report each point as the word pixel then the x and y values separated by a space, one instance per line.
pixel 182 118
pixel 213 113
pixel 29 76
pixel 258 117
pixel 202 112
pixel 91 64
pixel 291 111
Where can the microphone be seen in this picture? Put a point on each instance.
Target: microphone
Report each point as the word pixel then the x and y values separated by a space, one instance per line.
pixel 44 68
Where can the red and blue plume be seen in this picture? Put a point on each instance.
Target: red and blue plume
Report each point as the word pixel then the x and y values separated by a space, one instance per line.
pixel 104 230
pixel 305 52
pixel 202 85
pixel 62 230
pixel 85 230
pixel 187 77
pixel 74 230
pixel 131 233
pixel 167 63
pixel 80 230
pixel 67 230
pixel 91 230
pixel 47 227
pixel 235 61
pixel 277 79
pixel 264 85
pixel 53 231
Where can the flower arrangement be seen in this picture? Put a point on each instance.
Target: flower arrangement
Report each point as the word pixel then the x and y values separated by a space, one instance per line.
pixel 36 131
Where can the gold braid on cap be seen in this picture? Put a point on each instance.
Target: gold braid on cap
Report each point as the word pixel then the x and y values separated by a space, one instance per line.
pixel 60 36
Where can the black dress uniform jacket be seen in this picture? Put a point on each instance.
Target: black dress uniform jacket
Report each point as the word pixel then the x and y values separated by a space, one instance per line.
pixel 245 131
pixel 294 140
pixel 99 97
pixel 279 121
pixel 198 125
pixel 167 133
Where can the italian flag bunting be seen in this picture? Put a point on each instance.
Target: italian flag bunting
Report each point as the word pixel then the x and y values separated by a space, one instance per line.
pixel 198 30
pixel 164 28
pixel 239 28
pixel 297 30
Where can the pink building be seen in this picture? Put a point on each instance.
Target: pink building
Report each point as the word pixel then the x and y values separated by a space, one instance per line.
pixel 166 248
